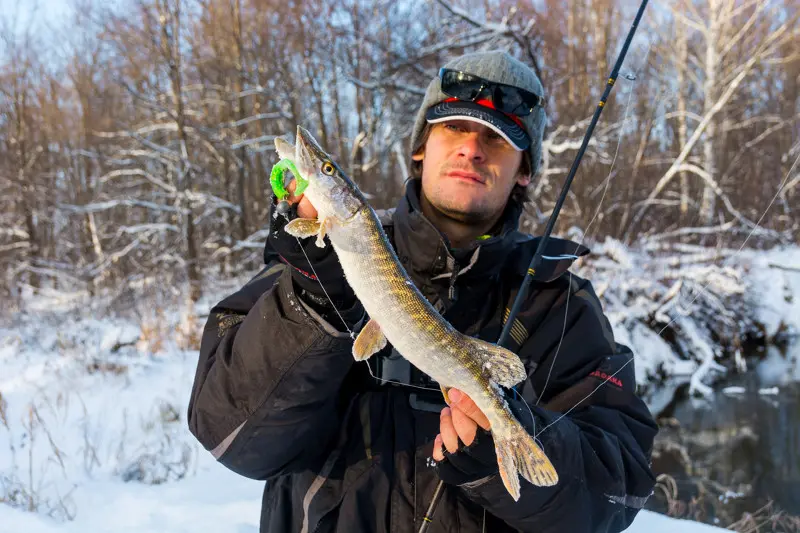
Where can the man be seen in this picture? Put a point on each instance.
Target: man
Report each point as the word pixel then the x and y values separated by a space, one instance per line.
pixel 348 448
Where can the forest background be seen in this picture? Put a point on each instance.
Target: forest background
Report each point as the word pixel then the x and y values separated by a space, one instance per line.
pixel 136 138
pixel 136 141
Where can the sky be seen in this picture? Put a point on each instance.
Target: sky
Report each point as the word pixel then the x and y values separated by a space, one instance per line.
pixel 39 11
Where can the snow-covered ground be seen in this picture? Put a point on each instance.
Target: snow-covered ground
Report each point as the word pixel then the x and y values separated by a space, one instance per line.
pixel 213 500
pixel 93 432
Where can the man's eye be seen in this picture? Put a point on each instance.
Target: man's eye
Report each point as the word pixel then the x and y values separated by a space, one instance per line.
pixel 494 136
pixel 453 127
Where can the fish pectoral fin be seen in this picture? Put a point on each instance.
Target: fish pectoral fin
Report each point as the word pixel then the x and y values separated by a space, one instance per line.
pixel 370 340
pixel 444 393
pixel 303 227
pixel 323 230
pixel 502 366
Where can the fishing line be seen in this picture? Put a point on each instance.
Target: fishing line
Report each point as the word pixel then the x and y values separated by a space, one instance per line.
pixel 399 382
pixel 585 233
pixel 608 179
pixel 780 188
pixel 353 335
pixel 753 230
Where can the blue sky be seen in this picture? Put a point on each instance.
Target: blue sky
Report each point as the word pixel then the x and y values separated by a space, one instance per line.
pixel 36 11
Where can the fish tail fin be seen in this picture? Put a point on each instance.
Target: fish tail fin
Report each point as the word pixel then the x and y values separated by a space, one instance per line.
pixel 519 454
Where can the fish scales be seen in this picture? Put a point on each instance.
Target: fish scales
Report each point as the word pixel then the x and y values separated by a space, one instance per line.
pixel 398 306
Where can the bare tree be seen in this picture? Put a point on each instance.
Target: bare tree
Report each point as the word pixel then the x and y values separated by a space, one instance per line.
pixel 141 148
pixel 728 31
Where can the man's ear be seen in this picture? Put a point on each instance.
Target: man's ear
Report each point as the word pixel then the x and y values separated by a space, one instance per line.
pixel 419 155
pixel 523 180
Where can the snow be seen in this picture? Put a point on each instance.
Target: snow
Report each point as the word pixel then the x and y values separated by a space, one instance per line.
pixel 213 500
pixel 198 504
pixel 658 287
pixel 93 431
pixel 734 390
pixel 775 278
pixel 777 369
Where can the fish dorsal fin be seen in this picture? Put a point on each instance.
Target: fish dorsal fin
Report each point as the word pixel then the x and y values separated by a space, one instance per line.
pixel 502 366
pixel 370 340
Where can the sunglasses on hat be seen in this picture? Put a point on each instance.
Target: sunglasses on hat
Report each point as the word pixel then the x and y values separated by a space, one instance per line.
pixel 505 98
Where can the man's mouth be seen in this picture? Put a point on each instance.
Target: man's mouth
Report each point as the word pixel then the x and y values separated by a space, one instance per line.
pixel 466 175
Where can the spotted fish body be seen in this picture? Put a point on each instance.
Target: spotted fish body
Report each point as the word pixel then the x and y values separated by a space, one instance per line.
pixel 399 313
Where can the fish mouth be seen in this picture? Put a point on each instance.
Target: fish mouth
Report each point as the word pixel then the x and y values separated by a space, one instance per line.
pixel 308 154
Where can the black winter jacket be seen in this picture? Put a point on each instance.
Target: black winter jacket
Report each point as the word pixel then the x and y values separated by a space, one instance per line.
pixel 277 396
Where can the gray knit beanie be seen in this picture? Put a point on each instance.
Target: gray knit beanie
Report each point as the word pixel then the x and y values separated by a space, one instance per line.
pixel 500 67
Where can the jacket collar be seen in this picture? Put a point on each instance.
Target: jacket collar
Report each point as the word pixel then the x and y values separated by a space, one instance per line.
pixel 425 253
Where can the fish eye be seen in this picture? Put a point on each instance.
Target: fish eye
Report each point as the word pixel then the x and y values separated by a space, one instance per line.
pixel 328 168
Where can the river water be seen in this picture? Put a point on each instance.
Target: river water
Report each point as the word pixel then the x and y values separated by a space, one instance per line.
pixel 747 436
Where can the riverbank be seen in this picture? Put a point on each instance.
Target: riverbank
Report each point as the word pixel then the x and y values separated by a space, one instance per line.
pixel 696 314
pixel 94 390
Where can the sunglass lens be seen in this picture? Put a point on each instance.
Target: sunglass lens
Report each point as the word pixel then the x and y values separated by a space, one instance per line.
pixel 460 85
pixel 508 99
pixel 530 100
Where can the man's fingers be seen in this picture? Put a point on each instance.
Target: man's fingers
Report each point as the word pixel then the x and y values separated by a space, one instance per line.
pixel 460 421
pixel 290 188
pixel 304 207
pixel 459 400
pixel 437 449
pixel 466 428
pixel 448 432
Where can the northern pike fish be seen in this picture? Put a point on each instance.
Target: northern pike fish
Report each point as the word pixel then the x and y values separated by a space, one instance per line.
pixel 399 313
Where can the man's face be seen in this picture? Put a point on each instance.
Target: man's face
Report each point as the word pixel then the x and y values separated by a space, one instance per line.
pixel 468 171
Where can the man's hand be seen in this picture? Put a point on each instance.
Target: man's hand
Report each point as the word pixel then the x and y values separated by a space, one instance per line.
pixel 304 207
pixel 458 421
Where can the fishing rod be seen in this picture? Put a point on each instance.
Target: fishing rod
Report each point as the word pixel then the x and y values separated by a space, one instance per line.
pixel 536 260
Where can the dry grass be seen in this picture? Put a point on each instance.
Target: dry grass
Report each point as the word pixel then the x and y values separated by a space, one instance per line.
pixel 154 331
pixel 3 412
pixel 768 519
pixel 27 493
pixel 710 502
pixel 188 332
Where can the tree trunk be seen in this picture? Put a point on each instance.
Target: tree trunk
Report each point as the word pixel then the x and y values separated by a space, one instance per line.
pixel 172 48
pixel 708 201
pixel 683 64
pixel 240 114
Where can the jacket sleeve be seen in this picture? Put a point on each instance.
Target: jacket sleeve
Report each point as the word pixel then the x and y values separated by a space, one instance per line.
pixel 266 390
pixel 600 448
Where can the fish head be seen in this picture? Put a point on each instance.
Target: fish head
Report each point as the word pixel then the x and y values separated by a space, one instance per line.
pixel 330 190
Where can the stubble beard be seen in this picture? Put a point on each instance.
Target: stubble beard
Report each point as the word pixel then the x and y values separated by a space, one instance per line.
pixel 475 212
pixel 476 215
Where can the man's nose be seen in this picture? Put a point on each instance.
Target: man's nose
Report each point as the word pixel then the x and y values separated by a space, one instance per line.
pixel 471 147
